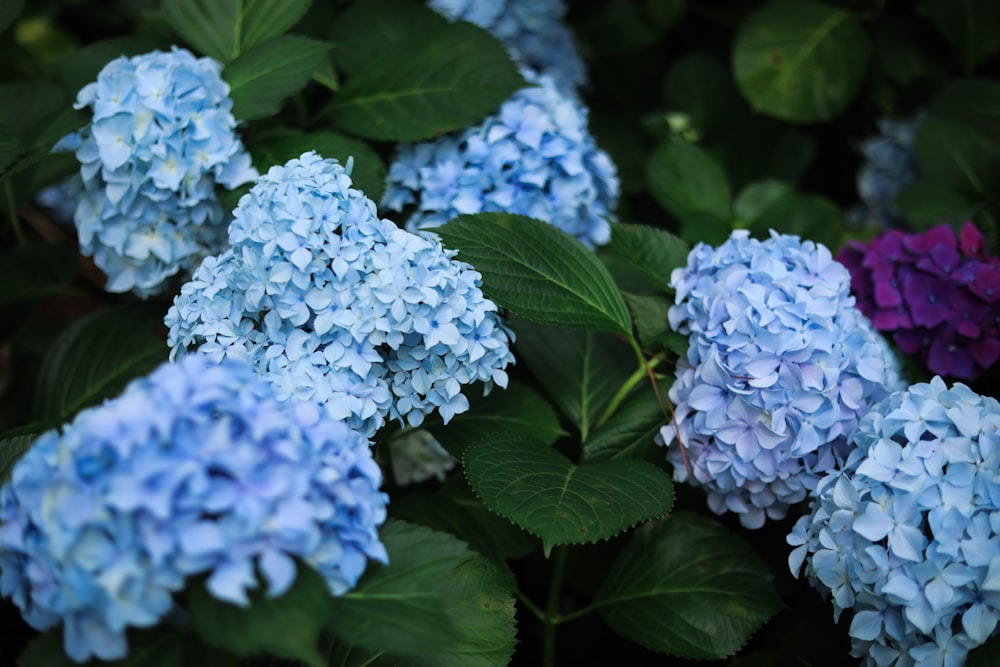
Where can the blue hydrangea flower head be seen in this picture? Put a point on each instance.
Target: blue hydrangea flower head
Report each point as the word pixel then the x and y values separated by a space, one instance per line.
pixel 534 157
pixel 906 534
pixel 196 470
pixel 331 303
pixel 890 164
pixel 780 367
pixel 532 30
pixel 161 137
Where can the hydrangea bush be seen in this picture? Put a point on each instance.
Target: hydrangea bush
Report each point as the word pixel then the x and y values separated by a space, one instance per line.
pixel 935 292
pixel 456 235
pixel 905 533
pixel 161 137
pixel 196 470
pixel 780 366
pixel 332 304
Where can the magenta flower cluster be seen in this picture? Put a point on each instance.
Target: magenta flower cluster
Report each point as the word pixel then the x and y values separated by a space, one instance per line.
pixel 935 292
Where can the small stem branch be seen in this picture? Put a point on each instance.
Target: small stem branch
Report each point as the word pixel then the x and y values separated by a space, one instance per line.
pixel 573 615
pixel 530 606
pixel 552 608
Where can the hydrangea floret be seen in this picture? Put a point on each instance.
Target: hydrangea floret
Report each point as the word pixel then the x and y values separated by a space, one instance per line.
pixel 332 304
pixel 194 471
pixel 532 30
pixel 534 157
pixel 780 366
pixel 418 457
pixel 890 164
pixel 906 534
pixel 161 137
pixel 935 292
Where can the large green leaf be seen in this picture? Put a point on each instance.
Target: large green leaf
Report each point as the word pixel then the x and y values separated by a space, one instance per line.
pixel 927 202
pixel 970 26
pixel 766 205
pixel 83 65
pixel 287 626
pixel 366 29
pixel 34 270
pixel 541 490
pixel 263 76
pixel 9 11
pixel 800 61
pixel 580 371
pixel 454 508
pixel 972 102
pixel 688 587
pixel 955 154
pixel 689 183
pixel 630 432
pixel 653 251
pixel 426 84
pixel 28 103
pixel 278 147
pixel 538 271
pixel 649 315
pixel 96 356
pixel 517 409
pixel 223 29
pixel 11 450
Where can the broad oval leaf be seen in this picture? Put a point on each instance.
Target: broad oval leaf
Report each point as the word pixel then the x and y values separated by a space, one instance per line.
pixel 540 490
pixel 689 184
pixel 34 270
pixel 538 271
pixel 96 356
pixel 517 409
pixel 800 61
pixel 580 370
pixel 970 26
pixel 655 252
pixel 688 587
pixel 278 147
pixel 427 84
pixel 366 29
pixel 630 433
pixel 263 77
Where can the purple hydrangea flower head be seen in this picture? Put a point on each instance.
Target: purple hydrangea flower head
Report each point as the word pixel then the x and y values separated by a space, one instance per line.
pixel 161 137
pixel 532 30
pixel 890 164
pixel 935 292
pixel 196 470
pixel 331 303
pixel 534 157
pixel 906 534
pixel 780 367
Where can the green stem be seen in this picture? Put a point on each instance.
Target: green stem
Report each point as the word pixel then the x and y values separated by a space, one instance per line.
pixel 552 608
pixel 640 373
pixel 15 222
pixel 530 606
pixel 573 615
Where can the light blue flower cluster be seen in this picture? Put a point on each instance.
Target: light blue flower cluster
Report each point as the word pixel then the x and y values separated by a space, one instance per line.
pixel 907 533
pixel 161 137
pixel 332 304
pixel 532 30
pixel 890 165
pixel 195 470
pixel 534 157
pixel 780 367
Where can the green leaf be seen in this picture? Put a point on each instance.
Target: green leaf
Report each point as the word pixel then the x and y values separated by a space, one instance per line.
pixel 800 61
pixel 367 28
pixel 958 156
pixel 970 26
pixel 700 86
pixel 96 356
pixel 688 587
pixel 223 29
pixel 974 103
pixel 9 11
pixel 455 509
pixel 767 205
pixel 83 65
pixel 11 450
pixel 278 147
pixel 541 490
pixel 400 607
pixel 35 270
pixel 538 271
pixel 266 74
pixel 649 315
pixel 27 104
pixel 653 251
pixel 926 202
pixel 689 184
pixel 630 432
pixel 287 626
pixel 580 371
pixel 517 409
pixel 427 84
